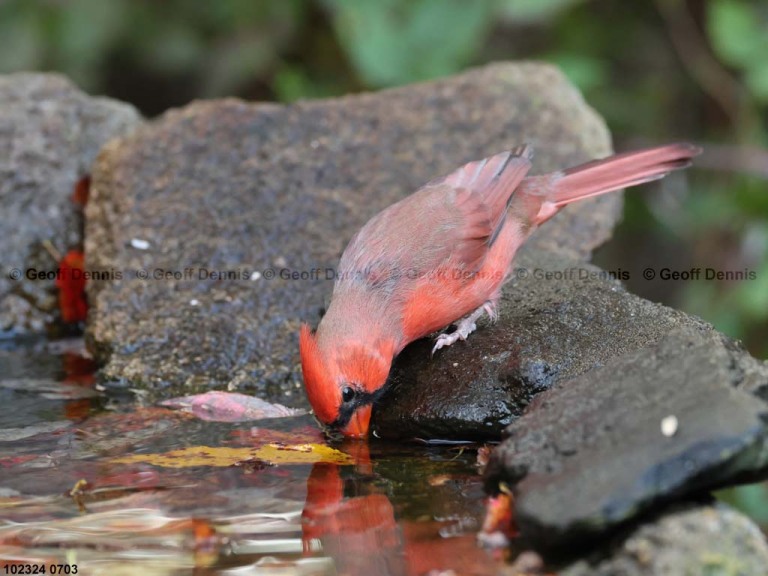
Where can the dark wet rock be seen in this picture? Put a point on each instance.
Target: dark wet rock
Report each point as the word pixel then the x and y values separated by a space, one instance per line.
pixel 559 319
pixel 240 187
pixel 50 133
pixel 589 454
pixel 695 540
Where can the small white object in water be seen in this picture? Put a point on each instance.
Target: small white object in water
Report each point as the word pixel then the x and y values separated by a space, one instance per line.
pixel 194 302
pixel 669 426
pixel 140 244
pixel 255 275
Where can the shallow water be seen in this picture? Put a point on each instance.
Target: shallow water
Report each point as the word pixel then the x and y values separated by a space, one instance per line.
pixel 206 497
pixel 91 484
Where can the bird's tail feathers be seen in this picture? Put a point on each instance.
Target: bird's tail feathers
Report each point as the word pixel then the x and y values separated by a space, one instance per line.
pixel 607 175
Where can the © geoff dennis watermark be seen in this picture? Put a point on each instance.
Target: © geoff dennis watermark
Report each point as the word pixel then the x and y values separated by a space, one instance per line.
pixel 699 274
pixel 286 273
pixel 648 273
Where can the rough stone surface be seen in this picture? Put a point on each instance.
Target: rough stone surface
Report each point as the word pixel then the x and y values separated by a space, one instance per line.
pixel 50 133
pixel 697 540
pixel 590 454
pixel 242 187
pixel 557 320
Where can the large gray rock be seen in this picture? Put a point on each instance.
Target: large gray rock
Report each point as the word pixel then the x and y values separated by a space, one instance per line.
pixel 240 187
pixel 50 133
pixel 694 540
pixel 647 427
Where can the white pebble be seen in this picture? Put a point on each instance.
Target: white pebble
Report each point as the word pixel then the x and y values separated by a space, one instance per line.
pixel 140 244
pixel 669 426
pixel 255 275
pixel 194 302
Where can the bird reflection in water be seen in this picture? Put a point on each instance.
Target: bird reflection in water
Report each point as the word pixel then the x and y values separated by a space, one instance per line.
pixel 349 517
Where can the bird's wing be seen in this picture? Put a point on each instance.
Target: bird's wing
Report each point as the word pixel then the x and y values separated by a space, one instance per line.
pixel 452 221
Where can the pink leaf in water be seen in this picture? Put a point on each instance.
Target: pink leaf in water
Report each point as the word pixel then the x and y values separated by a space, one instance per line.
pixel 230 407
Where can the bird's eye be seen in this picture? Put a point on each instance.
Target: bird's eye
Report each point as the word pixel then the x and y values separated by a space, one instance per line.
pixel 347 394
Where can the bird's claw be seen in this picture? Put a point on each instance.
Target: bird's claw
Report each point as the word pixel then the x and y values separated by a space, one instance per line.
pixel 463 330
pixel 490 309
pixel 466 326
pixel 445 340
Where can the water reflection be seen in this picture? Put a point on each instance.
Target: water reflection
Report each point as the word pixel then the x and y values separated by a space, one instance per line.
pixel 350 517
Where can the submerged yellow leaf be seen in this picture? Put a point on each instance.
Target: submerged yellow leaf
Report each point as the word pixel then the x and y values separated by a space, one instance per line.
pixel 303 454
pixel 192 456
pixel 224 456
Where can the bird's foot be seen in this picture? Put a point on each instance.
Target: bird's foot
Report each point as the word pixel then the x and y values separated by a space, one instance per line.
pixel 490 308
pixel 466 326
pixel 463 330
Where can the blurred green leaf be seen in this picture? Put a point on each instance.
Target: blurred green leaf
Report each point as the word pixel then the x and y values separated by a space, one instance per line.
pixel 737 32
pixel 234 15
pixel 394 42
pixel 292 83
pixel 22 34
pixel 757 79
pixel 752 499
pixel 528 11
pixel 584 71
pixel 72 36
pixel 85 29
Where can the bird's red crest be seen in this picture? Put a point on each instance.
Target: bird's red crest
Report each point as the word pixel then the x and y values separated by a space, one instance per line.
pixel 322 390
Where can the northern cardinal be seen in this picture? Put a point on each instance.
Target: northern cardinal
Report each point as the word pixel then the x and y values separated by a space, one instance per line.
pixel 438 256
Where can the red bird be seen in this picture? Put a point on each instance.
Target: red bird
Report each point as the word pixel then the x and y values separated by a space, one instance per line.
pixel 441 255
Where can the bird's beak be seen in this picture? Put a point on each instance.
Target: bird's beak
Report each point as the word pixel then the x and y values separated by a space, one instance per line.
pixel 358 425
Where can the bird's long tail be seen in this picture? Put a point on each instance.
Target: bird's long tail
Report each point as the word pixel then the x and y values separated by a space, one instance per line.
pixel 606 175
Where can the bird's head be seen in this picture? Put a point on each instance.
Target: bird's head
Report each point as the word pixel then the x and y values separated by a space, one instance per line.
pixel 343 383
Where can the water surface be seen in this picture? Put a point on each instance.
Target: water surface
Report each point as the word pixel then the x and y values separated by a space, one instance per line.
pixel 70 500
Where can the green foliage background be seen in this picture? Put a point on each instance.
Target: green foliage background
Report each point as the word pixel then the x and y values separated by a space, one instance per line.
pixel 657 70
